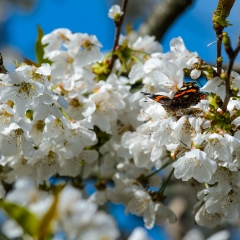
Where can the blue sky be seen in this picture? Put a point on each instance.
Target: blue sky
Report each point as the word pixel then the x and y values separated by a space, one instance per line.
pixel 90 16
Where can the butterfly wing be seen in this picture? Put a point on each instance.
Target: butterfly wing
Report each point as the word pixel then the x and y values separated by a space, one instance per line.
pixel 164 100
pixel 188 95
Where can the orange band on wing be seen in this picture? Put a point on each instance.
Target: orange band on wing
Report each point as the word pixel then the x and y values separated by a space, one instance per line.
pixel 184 92
pixel 158 98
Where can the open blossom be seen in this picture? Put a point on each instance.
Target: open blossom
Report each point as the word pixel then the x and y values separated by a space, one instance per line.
pixel 22 91
pixel 15 138
pixel 107 103
pixel 63 68
pixel 147 44
pixel 7 116
pixel 195 164
pixel 114 11
pixel 133 141
pixel 180 55
pixel 216 85
pixel 88 49
pixel 227 205
pixel 203 218
pixel 55 40
pixel 158 75
pixel 139 202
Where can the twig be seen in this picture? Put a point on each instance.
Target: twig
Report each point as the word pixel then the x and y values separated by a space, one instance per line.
pixel 163 187
pixel 118 25
pixel 165 165
pixel 162 17
pixel 2 68
pixel 220 21
pixel 227 81
pixel 219 52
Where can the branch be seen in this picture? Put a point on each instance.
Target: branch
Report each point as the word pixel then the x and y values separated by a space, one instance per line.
pixel 229 70
pixel 219 23
pixel 2 68
pixel 118 25
pixel 162 16
pixel 219 52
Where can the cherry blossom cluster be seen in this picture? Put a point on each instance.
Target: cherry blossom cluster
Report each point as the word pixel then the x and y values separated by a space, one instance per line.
pixel 75 217
pixel 203 140
pixel 76 119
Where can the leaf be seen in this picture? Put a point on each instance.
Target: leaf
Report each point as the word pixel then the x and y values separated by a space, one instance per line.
pixel 3 237
pixel 39 47
pixel 27 220
pixel 45 222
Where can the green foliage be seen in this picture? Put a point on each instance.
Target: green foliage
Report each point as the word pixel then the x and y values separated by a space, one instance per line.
pixel 39 229
pixel 27 220
pixel 45 223
pixel 3 237
pixel 224 8
pixel 221 13
pixel 39 47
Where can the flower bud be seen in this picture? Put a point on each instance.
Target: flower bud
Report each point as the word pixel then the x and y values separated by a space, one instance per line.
pixel 115 13
pixel 235 91
pixel 195 74
pixel 224 76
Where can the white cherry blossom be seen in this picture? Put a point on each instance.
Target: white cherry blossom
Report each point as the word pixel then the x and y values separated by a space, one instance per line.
pixel 115 10
pixel 194 164
pixel 55 40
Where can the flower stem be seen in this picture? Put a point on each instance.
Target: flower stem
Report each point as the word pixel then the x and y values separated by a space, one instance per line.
pixel 163 187
pixel 199 83
pixel 99 170
pixel 141 52
pixel 165 165
pixel 118 26
pixel 219 53
pixel 82 169
pixel 219 23
pixel 136 59
pixel 227 81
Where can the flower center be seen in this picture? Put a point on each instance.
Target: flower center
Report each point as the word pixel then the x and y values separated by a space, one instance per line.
pixel 25 88
pixel 87 44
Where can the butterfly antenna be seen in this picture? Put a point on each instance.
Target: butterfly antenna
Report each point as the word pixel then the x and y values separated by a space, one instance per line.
pixel 146 94
pixel 151 96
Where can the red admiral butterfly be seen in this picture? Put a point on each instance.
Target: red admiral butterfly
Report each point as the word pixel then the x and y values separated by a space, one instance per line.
pixel 188 95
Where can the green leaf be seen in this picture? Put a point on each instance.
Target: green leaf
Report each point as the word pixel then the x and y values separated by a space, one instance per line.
pixel 27 220
pixel 3 237
pixel 39 47
pixel 45 223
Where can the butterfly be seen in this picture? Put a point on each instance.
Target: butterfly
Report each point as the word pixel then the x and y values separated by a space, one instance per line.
pixel 188 95
pixel 2 68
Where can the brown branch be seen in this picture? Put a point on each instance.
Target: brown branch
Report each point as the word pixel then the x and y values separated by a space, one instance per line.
pixel 219 23
pixel 219 52
pixel 162 16
pixel 227 81
pixel 118 25
pixel 2 68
